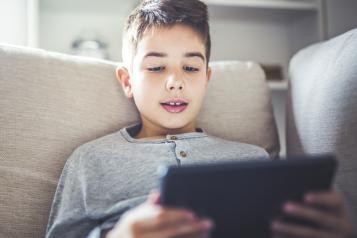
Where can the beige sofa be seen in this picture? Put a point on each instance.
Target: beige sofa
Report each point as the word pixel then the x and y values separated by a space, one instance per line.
pixel 322 108
pixel 51 103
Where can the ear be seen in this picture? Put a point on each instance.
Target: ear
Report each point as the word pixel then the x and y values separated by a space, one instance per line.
pixel 123 76
pixel 209 73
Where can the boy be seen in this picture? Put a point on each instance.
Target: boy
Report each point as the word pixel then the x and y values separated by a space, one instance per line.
pixel 104 184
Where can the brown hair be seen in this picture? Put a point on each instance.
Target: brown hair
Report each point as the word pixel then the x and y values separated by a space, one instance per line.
pixel 165 13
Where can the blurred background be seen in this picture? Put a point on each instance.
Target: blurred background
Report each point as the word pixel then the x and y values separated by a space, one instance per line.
pixel 269 32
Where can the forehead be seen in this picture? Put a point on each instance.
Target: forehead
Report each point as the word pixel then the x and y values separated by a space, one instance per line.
pixel 178 38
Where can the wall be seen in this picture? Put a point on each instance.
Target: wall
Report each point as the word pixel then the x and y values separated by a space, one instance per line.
pixel 341 16
pixel 13 27
pixel 106 26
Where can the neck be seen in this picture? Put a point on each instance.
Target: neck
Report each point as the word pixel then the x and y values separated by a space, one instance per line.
pixel 152 131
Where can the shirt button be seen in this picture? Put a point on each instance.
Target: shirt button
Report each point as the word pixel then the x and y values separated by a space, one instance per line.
pixel 173 138
pixel 183 153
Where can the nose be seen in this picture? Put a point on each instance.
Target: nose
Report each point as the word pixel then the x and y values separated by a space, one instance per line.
pixel 174 82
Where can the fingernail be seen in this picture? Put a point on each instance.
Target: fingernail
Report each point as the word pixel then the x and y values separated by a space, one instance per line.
pixel 208 223
pixel 309 198
pixel 288 207
pixel 275 225
pixel 190 215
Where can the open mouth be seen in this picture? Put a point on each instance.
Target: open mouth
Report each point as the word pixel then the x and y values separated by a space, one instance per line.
pixel 175 106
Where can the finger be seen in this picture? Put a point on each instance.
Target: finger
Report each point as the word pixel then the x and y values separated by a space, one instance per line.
pixel 322 218
pixel 281 229
pixel 200 234
pixel 332 200
pixel 187 229
pixel 154 197
pixel 165 217
pixel 205 233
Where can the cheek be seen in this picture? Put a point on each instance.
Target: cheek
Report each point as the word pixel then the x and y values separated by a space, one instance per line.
pixel 199 86
pixel 145 89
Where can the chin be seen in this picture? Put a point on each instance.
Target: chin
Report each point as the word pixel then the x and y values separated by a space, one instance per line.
pixel 175 125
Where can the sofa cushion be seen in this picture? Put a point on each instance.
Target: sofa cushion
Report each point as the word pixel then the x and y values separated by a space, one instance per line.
pixel 322 111
pixel 51 103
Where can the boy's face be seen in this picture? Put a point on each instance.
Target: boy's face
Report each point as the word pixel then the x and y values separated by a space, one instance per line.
pixel 168 78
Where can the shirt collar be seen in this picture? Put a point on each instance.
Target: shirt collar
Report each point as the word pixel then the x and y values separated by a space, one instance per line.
pixel 129 131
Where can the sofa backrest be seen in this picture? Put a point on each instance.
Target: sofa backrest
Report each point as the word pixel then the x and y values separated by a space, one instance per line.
pixel 322 107
pixel 51 103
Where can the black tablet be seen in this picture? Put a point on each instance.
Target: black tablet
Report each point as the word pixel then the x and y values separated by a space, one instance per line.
pixel 244 197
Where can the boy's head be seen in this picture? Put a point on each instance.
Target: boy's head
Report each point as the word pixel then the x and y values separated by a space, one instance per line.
pixel 164 13
pixel 166 49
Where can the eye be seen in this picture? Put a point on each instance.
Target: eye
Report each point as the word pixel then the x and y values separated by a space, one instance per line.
pixel 190 69
pixel 156 69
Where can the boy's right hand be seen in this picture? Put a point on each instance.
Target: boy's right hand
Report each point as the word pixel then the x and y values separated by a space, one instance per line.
pixel 150 220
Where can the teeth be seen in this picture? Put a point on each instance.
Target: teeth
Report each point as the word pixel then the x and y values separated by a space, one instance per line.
pixel 174 103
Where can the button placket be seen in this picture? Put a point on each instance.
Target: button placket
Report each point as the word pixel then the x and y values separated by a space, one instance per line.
pixel 173 140
pixel 173 137
pixel 183 154
pixel 182 150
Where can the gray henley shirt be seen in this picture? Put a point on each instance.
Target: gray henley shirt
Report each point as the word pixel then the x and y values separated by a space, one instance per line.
pixel 107 176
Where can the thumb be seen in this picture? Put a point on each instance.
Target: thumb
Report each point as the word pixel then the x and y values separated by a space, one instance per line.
pixel 154 197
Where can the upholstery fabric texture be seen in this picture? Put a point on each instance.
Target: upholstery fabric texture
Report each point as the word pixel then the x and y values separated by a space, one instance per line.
pixel 322 110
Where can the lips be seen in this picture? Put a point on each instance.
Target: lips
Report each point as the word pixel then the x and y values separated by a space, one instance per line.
pixel 175 105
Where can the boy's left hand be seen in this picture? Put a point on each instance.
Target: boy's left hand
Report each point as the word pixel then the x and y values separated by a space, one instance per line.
pixel 333 220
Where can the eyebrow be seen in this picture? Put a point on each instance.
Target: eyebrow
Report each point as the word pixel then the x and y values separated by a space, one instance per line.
pixel 161 54
pixel 155 54
pixel 195 54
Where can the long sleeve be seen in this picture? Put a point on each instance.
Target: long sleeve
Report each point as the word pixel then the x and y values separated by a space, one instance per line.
pixel 79 208
pixel 68 213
